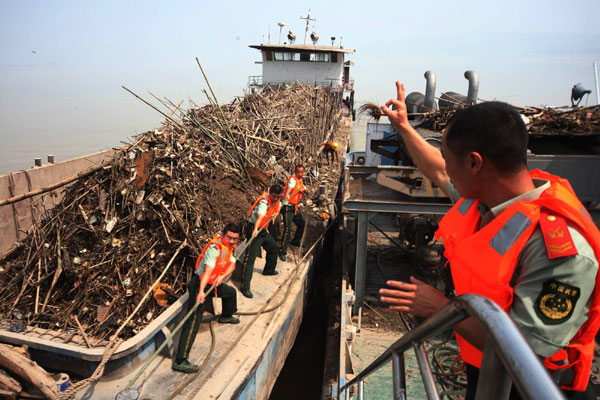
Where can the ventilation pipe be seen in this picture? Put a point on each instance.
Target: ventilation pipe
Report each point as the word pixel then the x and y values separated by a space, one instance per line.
pixel 453 99
pixel 430 91
pixel 473 79
pixel 416 103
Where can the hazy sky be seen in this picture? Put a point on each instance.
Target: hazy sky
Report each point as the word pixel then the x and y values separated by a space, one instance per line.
pixel 62 63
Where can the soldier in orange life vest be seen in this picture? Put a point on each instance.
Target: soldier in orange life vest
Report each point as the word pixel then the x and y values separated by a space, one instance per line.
pixel 330 147
pixel 265 209
pixel 294 188
pixel 518 237
pixel 213 266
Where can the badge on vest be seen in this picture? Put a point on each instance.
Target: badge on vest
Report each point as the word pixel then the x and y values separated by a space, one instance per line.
pixel 556 236
pixel 556 302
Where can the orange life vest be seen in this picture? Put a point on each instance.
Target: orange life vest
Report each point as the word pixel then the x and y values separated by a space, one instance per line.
pixel 273 208
pixel 296 193
pixel 329 146
pixel 222 262
pixel 496 247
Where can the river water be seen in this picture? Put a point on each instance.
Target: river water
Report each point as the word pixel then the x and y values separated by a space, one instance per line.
pixel 67 126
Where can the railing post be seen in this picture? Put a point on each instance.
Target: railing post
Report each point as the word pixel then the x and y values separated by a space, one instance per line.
pixel 519 361
pixel 361 387
pixel 494 381
pixel 426 373
pixel 398 376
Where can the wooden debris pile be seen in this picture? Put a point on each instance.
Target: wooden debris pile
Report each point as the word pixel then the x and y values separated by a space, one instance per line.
pixel 287 125
pixel 86 266
pixel 437 120
pixel 576 120
pixel 541 120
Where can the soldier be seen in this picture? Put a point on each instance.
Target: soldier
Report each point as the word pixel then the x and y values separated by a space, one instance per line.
pixel 265 208
pixel 294 188
pixel 330 147
pixel 520 238
pixel 213 266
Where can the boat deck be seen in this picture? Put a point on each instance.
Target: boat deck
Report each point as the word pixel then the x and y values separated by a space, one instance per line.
pixel 371 342
pixel 246 358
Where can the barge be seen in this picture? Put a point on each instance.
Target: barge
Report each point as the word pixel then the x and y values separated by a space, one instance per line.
pixel 238 361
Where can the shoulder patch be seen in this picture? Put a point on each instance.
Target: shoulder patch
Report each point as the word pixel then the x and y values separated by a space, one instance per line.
pixel 556 235
pixel 556 302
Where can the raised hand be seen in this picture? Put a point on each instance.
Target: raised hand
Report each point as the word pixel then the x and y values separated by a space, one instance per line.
pixel 398 116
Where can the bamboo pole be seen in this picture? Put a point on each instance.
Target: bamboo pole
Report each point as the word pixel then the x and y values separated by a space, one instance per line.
pixel 20 197
pixel 165 115
pixel 224 119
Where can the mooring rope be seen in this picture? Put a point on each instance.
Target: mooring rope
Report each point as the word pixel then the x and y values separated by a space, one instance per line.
pixel 258 313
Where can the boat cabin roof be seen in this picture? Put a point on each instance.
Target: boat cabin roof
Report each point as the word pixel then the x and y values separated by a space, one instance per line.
pixel 300 48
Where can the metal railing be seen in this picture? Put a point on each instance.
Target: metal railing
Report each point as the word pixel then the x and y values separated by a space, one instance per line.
pixel 506 356
pixel 255 80
pixel 337 83
pixel 348 84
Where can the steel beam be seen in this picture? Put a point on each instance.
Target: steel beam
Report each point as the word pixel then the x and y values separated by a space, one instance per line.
pixel 356 206
pixel 360 274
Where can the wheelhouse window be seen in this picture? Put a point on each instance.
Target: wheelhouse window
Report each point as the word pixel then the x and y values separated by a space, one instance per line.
pixel 286 56
pixel 320 57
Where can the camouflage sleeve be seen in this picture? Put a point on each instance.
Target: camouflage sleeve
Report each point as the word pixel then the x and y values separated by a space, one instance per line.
pixel 552 297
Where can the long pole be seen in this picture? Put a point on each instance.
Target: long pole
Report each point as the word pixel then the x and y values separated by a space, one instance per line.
pixel 80 175
pixel 596 81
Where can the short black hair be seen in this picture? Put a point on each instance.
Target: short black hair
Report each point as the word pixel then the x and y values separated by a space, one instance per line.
pixel 233 228
pixel 493 129
pixel 276 189
pixel 298 166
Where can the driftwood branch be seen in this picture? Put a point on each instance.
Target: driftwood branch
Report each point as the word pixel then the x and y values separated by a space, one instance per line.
pixel 19 365
pixel 64 182
pixel 11 386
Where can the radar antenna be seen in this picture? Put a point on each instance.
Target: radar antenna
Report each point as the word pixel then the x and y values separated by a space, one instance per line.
pixel 281 25
pixel 308 19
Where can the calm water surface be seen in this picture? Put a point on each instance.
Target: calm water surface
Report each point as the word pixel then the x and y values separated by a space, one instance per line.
pixel 67 128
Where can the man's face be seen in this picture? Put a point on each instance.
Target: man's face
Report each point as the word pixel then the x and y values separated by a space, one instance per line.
pixel 299 172
pixel 457 170
pixel 230 239
pixel 274 197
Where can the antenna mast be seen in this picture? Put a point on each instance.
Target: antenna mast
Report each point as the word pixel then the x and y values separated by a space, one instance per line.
pixel 308 19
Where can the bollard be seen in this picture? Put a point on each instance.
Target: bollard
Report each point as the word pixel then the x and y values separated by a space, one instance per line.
pixel 38 162
pixel 50 158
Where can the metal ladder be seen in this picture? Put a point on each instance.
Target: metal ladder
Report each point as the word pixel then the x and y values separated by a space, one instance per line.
pixel 507 357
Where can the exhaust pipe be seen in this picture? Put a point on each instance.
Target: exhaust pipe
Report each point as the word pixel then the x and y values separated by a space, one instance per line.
pixel 473 79
pixel 430 90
